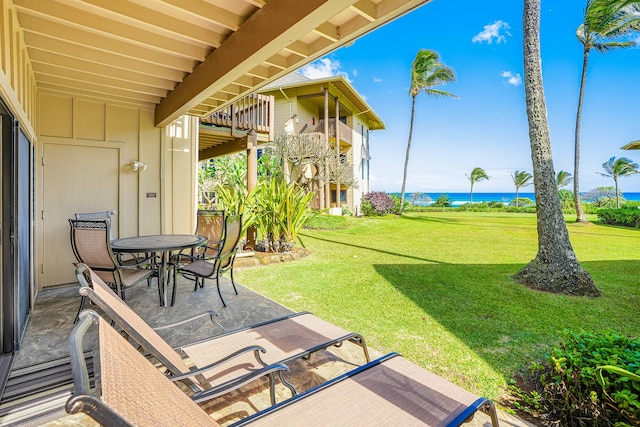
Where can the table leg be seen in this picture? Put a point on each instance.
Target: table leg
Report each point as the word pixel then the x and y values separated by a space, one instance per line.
pixel 162 278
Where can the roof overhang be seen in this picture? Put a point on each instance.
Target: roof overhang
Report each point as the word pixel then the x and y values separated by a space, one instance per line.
pixel 633 145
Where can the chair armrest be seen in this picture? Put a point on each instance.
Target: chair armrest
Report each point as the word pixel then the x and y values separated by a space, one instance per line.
pixel 256 349
pixel 212 314
pixel 228 386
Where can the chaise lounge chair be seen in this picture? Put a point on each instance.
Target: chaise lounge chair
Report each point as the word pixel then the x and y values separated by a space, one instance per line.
pixel 244 355
pixel 129 391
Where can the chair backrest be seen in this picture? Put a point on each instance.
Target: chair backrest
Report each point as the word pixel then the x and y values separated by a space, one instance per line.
pixel 132 391
pixel 117 310
pixel 232 234
pixel 210 224
pixel 91 245
pixel 92 216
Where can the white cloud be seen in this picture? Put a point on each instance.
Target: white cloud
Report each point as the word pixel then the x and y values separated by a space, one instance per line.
pixel 377 80
pixel 491 32
pixel 324 67
pixel 355 73
pixel 513 79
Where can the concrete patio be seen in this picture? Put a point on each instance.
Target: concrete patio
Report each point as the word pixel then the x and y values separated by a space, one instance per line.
pixel 43 357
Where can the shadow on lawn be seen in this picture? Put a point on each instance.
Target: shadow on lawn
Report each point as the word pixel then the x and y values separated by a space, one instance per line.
pixel 506 323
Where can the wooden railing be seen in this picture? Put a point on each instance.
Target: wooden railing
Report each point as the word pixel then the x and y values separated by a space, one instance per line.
pixel 253 112
pixel 345 132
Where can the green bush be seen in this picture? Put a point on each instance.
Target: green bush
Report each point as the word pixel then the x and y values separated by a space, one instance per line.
pixel 571 387
pixel 442 201
pixel 326 222
pixel 377 203
pixel 628 217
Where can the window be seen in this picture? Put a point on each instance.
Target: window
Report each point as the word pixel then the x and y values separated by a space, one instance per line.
pixel 343 196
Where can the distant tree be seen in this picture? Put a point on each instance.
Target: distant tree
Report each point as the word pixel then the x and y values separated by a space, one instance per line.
pixel 426 72
pixel 603 197
pixel 607 25
pixel 555 267
pixel 521 179
pixel 443 201
pixel 563 178
pixel 616 168
pixel 477 174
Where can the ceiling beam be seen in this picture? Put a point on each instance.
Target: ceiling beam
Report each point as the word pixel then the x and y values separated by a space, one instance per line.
pixel 278 23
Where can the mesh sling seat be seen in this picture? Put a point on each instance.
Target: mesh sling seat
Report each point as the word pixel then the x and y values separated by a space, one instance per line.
pixel 256 351
pixel 91 244
pixel 220 263
pixel 130 391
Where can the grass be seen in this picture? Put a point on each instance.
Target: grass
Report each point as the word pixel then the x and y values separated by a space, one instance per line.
pixel 437 288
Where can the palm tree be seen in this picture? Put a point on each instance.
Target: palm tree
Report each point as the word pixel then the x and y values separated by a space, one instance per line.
pixel 563 178
pixel 426 72
pixel 606 25
pixel 477 174
pixel 521 179
pixel 619 167
pixel 555 267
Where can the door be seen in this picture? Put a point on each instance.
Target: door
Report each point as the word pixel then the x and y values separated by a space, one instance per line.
pixel 77 178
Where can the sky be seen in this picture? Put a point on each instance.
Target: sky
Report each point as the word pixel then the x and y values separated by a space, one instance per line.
pixel 486 126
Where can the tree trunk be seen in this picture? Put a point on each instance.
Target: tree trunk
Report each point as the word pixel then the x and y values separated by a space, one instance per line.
pixel 517 201
pixel 471 194
pixel 555 268
pixel 617 196
pixel 406 159
pixel 580 216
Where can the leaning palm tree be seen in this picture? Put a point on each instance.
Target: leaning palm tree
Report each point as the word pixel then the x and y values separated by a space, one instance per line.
pixel 619 167
pixel 607 25
pixel 563 178
pixel 555 267
pixel 426 72
pixel 477 174
pixel 521 179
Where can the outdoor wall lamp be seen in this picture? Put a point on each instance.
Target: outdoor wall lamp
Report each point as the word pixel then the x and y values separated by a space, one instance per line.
pixel 137 166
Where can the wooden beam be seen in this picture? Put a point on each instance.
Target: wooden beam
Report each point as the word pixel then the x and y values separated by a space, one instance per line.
pixel 233 146
pixel 278 23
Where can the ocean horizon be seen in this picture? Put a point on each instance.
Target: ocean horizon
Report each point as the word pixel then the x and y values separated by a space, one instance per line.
pixel 462 198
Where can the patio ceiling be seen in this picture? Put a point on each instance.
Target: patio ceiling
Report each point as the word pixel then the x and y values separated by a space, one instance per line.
pixel 186 56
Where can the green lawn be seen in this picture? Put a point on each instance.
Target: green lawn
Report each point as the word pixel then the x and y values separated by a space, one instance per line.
pixel 437 288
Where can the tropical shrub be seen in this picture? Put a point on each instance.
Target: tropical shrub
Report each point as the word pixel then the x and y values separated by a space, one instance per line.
pixel 376 203
pixel 628 217
pixel 442 201
pixel 585 381
pixel 603 197
pixel 522 202
pixel 280 211
pixel 566 199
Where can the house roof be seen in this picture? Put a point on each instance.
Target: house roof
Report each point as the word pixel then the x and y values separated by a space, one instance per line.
pixel 184 57
pixel 295 80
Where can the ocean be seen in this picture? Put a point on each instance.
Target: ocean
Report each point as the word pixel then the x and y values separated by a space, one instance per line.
pixel 462 198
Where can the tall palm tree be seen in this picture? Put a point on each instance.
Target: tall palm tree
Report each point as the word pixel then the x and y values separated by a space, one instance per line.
pixel 607 25
pixel 563 178
pixel 477 174
pixel 619 167
pixel 426 72
pixel 521 179
pixel 555 267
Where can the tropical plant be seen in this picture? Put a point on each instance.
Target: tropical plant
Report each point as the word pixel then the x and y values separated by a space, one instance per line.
pixel 520 179
pixel 376 203
pixel 607 25
pixel 426 72
pixel 280 210
pixel 555 267
pixel 563 178
pixel 602 197
pixel 443 200
pixel 616 168
pixel 477 174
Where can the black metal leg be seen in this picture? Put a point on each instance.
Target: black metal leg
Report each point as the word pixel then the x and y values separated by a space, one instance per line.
pixel 82 301
pixel 233 282
pixel 220 293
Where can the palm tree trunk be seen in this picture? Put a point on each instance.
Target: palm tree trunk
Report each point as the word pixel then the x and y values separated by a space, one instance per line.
pixel 580 216
pixel 517 202
pixel 406 159
pixel 555 268
pixel 617 196
pixel 471 194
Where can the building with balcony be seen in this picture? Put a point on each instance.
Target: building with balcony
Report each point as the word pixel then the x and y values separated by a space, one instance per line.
pixel 313 107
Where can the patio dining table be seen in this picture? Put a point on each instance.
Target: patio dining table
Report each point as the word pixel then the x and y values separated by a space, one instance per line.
pixel 164 245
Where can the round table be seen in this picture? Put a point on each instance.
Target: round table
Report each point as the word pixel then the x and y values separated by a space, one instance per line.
pixel 163 244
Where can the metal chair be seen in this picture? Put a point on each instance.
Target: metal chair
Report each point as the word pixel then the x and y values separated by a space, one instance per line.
pixel 222 262
pixel 91 244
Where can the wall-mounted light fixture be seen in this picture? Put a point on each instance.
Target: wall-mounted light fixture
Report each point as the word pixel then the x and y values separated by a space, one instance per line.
pixel 137 166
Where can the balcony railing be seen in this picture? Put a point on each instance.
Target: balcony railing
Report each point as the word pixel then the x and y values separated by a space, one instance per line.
pixel 345 133
pixel 253 112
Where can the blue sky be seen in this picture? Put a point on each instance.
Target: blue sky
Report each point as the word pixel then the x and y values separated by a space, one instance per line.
pixel 487 125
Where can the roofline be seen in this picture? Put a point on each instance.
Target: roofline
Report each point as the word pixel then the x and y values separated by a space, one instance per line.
pixel 332 79
pixel 633 145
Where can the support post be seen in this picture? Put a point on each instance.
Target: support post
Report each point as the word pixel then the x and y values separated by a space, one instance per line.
pixel 337 122
pixel 252 180
pixel 327 193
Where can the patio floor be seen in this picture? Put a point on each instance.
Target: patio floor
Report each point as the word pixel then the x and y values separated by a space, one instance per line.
pixel 42 361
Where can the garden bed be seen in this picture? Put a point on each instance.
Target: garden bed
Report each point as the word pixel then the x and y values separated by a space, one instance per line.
pixel 258 258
